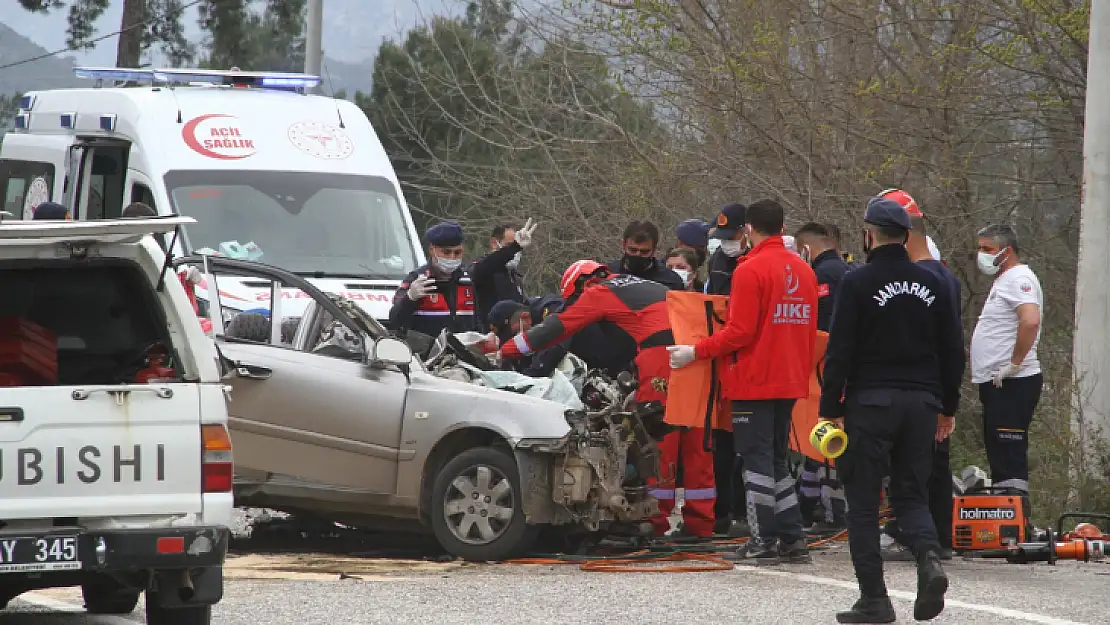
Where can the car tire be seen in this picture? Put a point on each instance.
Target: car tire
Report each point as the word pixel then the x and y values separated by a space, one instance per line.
pixel 104 595
pixel 471 521
pixel 193 615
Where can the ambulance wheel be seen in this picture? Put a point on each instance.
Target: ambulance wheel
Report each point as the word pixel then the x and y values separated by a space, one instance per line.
pixel 250 327
pixel 477 511
pixel 104 595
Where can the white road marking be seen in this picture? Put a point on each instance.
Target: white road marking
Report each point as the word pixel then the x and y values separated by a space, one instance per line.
pixel 64 606
pixel 909 596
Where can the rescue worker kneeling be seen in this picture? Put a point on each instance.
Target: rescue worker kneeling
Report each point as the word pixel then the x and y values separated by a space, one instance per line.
pixel 639 307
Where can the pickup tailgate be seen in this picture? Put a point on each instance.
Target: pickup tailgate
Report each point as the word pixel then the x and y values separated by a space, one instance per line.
pixel 99 451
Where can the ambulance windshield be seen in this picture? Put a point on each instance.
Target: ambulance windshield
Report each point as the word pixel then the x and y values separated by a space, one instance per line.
pixel 331 225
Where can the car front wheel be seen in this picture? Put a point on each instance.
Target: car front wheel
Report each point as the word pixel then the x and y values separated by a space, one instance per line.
pixel 476 507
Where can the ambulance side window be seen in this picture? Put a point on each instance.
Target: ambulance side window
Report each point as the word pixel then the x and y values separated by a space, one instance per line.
pixel 25 185
pixel 105 199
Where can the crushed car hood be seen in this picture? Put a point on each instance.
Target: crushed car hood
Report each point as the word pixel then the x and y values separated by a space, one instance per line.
pixel 519 416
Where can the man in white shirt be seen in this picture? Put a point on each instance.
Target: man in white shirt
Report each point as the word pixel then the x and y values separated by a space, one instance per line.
pixel 1004 361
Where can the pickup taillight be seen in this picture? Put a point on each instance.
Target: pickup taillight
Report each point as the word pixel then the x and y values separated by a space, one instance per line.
pixel 216 467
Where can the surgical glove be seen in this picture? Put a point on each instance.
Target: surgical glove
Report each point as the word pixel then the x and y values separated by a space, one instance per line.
pixel 421 287
pixel 681 355
pixel 489 344
pixel 1006 371
pixel 192 275
pixel 524 235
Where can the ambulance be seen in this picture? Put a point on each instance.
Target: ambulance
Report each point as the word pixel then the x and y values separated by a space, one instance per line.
pixel 268 171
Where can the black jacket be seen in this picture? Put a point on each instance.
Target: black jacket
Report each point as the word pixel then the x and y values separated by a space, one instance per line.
pixel 893 328
pixel 829 268
pixel 720 267
pixel 494 282
pixel 658 272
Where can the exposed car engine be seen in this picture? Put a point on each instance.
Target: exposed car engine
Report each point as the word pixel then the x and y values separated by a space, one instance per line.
pixel 601 468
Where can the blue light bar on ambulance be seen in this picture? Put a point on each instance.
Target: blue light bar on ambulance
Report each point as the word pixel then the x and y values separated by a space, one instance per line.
pixel 22 121
pixel 265 80
pixel 108 122
pixel 26 102
pixel 69 120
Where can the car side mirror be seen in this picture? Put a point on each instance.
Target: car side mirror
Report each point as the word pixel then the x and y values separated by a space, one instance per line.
pixel 390 351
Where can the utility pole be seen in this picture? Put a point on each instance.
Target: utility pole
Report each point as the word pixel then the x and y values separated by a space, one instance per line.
pixel 1091 357
pixel 314 39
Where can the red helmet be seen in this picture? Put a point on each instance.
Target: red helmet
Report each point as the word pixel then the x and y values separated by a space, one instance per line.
pixel 569 283
pixel 905 200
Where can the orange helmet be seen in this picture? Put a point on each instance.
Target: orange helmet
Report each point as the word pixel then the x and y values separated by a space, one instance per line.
pixel 569 284
pixel 905 200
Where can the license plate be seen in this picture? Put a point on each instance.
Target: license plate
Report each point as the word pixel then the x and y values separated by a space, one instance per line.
pixel 39 553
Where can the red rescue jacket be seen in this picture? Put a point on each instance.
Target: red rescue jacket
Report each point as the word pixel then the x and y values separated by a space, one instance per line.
pixel 769 336
pixel 639 307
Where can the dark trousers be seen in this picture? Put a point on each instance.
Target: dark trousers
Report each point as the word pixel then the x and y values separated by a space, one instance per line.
pixel 940 498
pixel 890 432
pixel 728 471
pixel 1007 412
pixel 762 435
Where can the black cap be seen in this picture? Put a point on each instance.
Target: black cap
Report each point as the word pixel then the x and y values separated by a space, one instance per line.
pixel 501 315
pixel 886 213
pixel 50 210
pixel 542 306
pixel 445 234
pixel 729 221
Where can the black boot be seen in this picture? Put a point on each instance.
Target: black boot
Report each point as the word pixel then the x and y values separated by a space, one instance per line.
pixel 932 583
pixel 869 610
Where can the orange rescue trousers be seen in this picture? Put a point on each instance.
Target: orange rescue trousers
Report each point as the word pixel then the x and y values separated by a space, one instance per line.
pixel 685 446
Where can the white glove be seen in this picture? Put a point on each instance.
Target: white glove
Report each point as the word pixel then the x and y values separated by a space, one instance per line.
pixel 524 235
pixel 1007 371
pixel 681 355
pixel 421 287
pixel 192 275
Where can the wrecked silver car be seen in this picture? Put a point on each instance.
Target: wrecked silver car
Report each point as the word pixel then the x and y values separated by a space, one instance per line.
pixel 332 417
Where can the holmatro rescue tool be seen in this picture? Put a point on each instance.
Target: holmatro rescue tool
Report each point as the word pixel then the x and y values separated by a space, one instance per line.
pixel 828 439
pixel 989 520
pixel 1086 543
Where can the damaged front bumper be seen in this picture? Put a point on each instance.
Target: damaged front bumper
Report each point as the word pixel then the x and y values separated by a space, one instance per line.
pixel 595 476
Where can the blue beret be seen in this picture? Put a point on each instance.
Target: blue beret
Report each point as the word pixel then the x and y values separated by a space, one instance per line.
pixel 445 234
pixel 50 210
pixel 887 213
pixel 693 232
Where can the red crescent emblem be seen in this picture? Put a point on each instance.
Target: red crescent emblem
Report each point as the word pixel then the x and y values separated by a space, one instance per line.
pixel 189 135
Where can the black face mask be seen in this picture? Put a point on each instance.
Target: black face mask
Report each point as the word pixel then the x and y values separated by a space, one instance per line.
pixel 866 242
pixel 637 265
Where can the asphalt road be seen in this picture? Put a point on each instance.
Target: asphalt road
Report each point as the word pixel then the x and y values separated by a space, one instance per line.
pixel 262 590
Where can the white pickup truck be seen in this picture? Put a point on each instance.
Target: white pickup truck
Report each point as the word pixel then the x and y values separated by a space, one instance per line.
pixel 115 460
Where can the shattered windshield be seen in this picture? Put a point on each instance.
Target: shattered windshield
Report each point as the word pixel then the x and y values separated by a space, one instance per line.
pixel 331 225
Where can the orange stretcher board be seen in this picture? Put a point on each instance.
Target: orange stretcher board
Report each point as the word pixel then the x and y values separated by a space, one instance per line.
pixel 805 410
pixel 694 316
